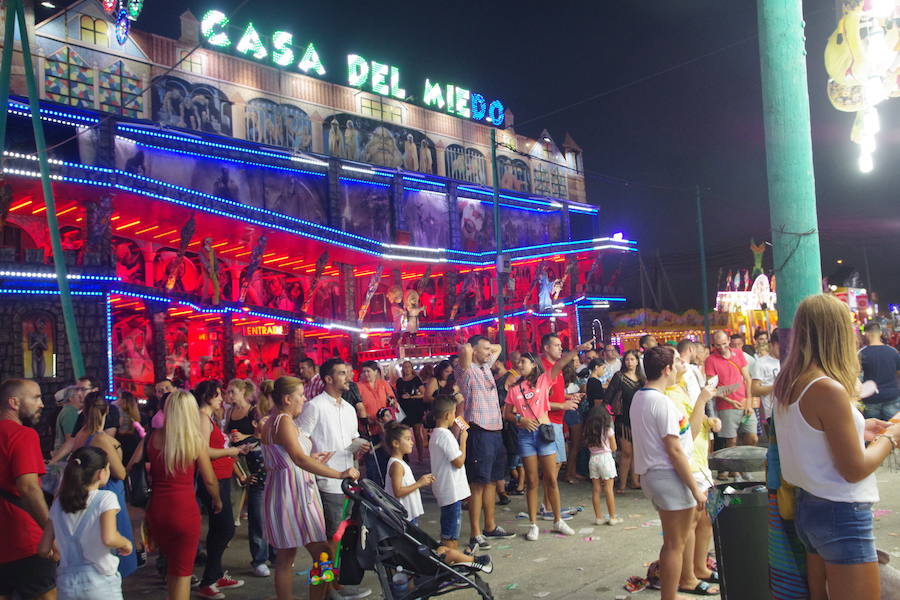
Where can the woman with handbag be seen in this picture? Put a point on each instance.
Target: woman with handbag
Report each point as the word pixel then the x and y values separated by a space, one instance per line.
pixel 621 390
pixel 528 405
pixel 822 449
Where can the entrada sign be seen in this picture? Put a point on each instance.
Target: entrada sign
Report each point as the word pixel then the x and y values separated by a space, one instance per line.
pixel 371 75
pixel 264 330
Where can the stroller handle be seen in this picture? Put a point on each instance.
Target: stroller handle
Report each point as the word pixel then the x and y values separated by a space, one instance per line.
pixel 350 488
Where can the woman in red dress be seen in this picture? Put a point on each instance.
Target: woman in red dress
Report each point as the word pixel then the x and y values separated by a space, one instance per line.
pixel 174 452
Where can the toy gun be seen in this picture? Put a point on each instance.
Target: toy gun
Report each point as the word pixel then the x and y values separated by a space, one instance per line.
pixel 322 571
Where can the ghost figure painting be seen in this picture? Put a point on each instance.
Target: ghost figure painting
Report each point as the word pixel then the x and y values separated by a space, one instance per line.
pixel 410 154
pixel 476 226
pixel 378 143
pixel 351 141
pixel 427 218
pixel 381 149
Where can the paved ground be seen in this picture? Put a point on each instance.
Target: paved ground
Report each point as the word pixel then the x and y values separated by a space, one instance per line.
pixel 592 565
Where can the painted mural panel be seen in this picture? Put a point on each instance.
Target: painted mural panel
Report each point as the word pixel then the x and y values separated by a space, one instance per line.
pixel 68 79
pixel 39 345
pixel 426 216
pixel 291 193
pixel 278 125
pixel 378 143
pixel 179 103
pixel 527 228
pixel 366 210
pixel 476 225
pixel 514 174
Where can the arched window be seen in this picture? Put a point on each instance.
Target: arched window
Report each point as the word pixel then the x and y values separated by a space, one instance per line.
pixel 68 79
pixel 120 91
pixel 94 31
pixel 466 164
pixel 514 174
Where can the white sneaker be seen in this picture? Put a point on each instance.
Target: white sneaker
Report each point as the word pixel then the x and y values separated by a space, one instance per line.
pixel 533 533
pixel 563 528
pixel 614 521
pixel 600 521
pixel 261 570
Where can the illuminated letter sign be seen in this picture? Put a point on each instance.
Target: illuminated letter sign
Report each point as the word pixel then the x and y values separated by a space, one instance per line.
pixel 251 44
pixel 213 28
pixel 282 54
pixel 380 78
pixel 357 70
pixel 311 61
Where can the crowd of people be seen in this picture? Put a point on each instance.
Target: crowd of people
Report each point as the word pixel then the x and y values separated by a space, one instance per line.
pixel 479 426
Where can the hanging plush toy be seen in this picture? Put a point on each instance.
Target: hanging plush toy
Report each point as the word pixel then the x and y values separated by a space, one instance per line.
pixel 411 312
pixel 758 252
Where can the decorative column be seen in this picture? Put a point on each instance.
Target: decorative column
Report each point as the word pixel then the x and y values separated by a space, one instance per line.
pixel 228 366
pixel 439 150
pixel 334 193
pixel 453 213
pixel 318 136
pixel 158 339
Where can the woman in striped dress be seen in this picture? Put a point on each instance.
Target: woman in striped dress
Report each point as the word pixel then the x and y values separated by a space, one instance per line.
pixel 293 516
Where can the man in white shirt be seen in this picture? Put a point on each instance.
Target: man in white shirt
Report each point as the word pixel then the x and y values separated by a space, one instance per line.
pixel 663 443
pixel 330 423
pixel 763 373
pixel 693 380
pixel 613 363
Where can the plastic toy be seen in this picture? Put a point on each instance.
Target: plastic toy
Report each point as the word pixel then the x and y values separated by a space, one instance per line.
pixel 322 571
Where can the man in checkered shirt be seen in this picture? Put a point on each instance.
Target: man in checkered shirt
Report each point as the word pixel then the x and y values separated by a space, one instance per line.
pixel 485 454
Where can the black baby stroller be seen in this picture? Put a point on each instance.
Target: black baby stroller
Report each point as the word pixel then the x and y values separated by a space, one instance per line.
pixel 377 537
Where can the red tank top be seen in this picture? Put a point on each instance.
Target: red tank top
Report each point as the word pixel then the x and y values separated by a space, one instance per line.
pixel 222 466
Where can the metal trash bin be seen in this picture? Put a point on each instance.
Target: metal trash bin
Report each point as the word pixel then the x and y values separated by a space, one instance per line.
pixel 741 529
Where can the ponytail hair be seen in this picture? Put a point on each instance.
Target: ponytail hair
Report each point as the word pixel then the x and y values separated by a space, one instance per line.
pixel 80 472
pixel 95 410
pixel 393 432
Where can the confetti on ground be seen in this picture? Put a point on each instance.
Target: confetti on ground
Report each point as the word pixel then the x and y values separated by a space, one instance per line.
pixel 504 547
pixel 542 594
pixel 882 512
pixel 635 516
pixel 894 534
pixel 559 535
pixel 512 586
pixel 628 528
pixel 591 539
pixel 432 522
pixel 586 531
pixel 540 559
pixel 507 556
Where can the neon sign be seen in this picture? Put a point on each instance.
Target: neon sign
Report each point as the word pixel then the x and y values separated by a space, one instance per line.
pixel 280 50
pixel 264 330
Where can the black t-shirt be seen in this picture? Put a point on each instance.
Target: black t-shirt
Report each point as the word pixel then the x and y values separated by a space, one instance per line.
pixel 880 364
pixel 112 419
pixel 413 407
pixel 595 391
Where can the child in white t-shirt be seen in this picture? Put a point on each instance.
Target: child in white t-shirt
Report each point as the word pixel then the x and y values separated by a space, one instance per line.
pixel 600 439
pixel 448 460
pixel 83 523
pixel 401 484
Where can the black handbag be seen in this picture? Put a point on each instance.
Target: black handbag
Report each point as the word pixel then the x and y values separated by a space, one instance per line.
pixel 137 483
pixel 547 432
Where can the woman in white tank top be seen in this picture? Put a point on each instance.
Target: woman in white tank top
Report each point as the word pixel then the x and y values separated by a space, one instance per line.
pixel 821 444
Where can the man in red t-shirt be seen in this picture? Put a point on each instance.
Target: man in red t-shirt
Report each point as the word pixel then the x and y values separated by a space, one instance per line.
pixel 23 511
pixel 733 405
pixel 551 348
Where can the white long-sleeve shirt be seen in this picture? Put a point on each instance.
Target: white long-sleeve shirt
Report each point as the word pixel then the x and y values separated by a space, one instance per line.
pixel 332 426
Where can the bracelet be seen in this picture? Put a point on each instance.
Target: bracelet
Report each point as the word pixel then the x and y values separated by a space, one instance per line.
pixel 889 438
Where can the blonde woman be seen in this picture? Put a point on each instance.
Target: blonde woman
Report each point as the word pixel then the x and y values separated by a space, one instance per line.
pixel 821 444
pixel 175 451
pixel 294 514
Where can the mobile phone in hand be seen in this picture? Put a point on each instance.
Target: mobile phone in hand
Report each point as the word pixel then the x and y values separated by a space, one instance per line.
pixel 461 423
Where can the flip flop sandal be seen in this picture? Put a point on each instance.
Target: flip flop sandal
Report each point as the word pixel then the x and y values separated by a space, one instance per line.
pixel 714 578
pixel 702 589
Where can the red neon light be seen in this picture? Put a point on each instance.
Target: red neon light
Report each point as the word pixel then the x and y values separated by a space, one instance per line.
pixel 67 211
pixel 115 217
pixel 219 245
pixel 127 225
pixel 21 205
pixel 146 229
pixel 39 210
pixel 159 235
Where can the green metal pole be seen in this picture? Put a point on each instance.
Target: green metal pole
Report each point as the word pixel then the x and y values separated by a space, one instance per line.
pixel 704 285
pixel 501 320
pixel 792 193
pixel 59 260
pixel 6 70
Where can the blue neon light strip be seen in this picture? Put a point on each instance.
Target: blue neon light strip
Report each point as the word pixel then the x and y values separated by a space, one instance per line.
pixel 268 224
pixel 263 224
pixel 193 140
pixel 505 205
pixel 109 347
pixel 250 207
pixel 549 205
pixel 25 110
pixel 375 183
pixel 225 158
pixel 47 292
pixel 424 181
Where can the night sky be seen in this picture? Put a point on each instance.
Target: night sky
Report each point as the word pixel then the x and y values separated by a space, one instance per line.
pixel 675 101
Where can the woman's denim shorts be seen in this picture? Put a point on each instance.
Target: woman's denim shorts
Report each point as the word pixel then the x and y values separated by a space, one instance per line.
pixel 530 443
pixel 840 532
